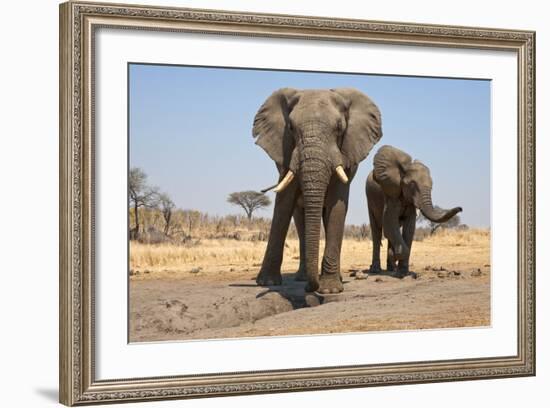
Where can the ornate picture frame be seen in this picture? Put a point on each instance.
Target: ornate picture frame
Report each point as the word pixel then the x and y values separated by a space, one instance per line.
pixel 79 22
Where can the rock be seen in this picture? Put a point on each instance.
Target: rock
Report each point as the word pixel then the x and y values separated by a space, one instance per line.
pixel 476 272
pixel 312 299
pixel 378 280
pixel 359 275
pixel 231 269
pixel 353 272
pixel 435 268
pixel 196 270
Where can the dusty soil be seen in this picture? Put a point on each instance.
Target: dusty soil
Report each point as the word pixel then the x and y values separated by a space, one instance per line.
pixel 224 302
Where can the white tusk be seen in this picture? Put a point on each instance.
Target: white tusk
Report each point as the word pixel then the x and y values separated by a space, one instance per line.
pixel 342 174
pixel 284 182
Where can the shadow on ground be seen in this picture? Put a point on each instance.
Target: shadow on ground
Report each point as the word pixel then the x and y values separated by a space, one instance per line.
pixel 293 291
pixel 365 273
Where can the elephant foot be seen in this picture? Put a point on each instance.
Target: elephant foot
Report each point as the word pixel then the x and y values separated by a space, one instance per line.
pixel 375 269
pixel 401 272
pixel 301 275
pixel 330 283
pixel 311 287
pixel 269 278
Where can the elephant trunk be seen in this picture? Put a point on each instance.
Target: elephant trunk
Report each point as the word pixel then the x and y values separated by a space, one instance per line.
pixel 435 214
pixel 313 203
pixel 315 171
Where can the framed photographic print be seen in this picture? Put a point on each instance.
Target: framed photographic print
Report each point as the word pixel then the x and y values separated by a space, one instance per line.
pixel 255 203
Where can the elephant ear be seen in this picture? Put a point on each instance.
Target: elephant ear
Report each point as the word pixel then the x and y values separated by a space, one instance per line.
pixel 390 165
pixel 271 128
pixel 364 128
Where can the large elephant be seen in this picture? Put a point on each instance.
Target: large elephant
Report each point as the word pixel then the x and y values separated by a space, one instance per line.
pixel 317 139
pixel 395 189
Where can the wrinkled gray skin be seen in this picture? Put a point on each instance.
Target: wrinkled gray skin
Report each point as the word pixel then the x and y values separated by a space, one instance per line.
pixel 311 132
pixel 395 189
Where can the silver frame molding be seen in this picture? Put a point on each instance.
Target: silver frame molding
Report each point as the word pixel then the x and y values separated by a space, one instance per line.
pixel 78 22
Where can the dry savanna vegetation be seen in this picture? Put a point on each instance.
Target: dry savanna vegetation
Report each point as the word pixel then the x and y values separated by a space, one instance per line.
pixel 205 289
pixel 192 276
pixel 228 258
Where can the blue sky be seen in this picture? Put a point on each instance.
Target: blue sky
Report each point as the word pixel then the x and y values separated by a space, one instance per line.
pixel 191 132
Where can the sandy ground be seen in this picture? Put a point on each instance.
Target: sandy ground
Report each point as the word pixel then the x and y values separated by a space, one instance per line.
pixel 450 288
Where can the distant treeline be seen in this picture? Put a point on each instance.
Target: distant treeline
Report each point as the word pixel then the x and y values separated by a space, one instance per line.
pixel 187 226
pixel 154 218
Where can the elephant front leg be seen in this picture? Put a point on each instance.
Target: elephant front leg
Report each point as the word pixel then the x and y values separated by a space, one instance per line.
pixel 270 272
pixel 301 274
pixel 390 259
pixel 376 232
pixel 334 219
pixel 409 227
pixel 392 229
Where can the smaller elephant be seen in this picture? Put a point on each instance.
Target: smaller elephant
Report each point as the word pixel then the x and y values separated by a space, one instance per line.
pixel 395 189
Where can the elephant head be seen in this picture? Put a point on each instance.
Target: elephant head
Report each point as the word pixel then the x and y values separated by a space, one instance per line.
pixel 314 134
pixel 401 177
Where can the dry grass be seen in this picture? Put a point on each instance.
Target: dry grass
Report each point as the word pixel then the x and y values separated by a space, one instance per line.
pixel 447 248
pixel 453 250
pixel 459 237
pixel 207 252
pixel 209 255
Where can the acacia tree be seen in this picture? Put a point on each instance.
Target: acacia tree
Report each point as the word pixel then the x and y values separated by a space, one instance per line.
pixel 249 201
pixel 453 222
pixel 140 194
pixel 166 206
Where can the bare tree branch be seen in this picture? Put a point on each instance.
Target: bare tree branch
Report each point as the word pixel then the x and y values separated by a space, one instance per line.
pixel 166 206
pixel 140 194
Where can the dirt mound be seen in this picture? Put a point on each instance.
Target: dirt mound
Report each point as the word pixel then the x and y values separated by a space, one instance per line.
pixel 202 309
pixel 195 308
